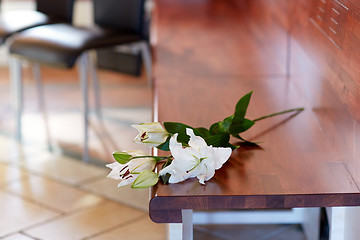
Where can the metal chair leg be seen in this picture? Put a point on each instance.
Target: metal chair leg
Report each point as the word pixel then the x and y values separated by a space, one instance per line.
pixel 41 101
pixel 96 87
pixel 146 56
pixel 83 63
pixel 17 93
pixel 144 49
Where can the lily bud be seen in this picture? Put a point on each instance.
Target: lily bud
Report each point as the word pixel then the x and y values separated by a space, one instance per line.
pixel 152 134
pixel 128 172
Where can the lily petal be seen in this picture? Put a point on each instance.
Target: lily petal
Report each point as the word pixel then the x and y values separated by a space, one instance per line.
pixel 176 148
pixel 151 127
pixel 138 165
pixel 201 179
pixel 199 160
pixel 195 142
pixel 127 181
pixel 115 170
pixel 152 134
pixel 221 155
pixel 176 178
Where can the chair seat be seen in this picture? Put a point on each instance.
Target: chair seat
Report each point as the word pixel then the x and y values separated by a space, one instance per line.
pixel 15 21
pixel 60 44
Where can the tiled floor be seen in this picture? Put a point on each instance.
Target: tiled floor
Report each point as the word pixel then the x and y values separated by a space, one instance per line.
pixel 249 232
pixel 53 195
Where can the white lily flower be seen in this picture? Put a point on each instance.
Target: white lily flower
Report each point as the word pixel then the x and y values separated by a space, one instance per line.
pixel 127 173
pixel 152 134
pixel 199 160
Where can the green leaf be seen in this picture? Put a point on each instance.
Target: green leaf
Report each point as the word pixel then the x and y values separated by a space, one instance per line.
pixel 180 129
pixel 244 140
pixel 147 178
pixel 240 125
pixel 242 105
pixel 218 140
pixel 122 157
pixel 215 128
pixel 222 126
pixel 226 123
pixel 202 131
pixel 165 178
pixel 165 145
pixel 174 127
pixel 167 163
pixel 233 147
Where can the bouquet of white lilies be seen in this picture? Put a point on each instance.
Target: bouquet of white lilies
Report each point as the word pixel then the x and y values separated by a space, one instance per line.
pixel 195 152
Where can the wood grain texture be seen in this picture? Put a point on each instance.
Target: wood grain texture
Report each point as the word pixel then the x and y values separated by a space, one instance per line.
pixel 212 52
pixel 244 202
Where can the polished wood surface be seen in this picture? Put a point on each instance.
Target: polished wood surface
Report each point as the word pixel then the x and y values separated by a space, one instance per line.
pixel 328 69
pixel 210 53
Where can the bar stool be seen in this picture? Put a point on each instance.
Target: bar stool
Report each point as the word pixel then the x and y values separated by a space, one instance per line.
pixel 60 45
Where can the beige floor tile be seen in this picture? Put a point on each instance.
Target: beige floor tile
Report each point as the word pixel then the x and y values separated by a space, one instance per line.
pixel 72 126
pixel 10 173
pixel 34 127
pixel 17 214
pixel 248 232
pixel 63 169
pixel 86 223
pixel 100 149
pixel 55 195
pixel 72 122
pixel 114 133
pixel 130 115
pixel 142 229
pixel 117 123
pixel 123 136
pixel 117 139
pixel 18 236
pixel 137 198
pixel 109 137
pixel 71 131
pixel 12 151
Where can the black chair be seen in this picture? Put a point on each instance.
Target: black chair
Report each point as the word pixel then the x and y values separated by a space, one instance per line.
pixel 117 22
pixel 46 12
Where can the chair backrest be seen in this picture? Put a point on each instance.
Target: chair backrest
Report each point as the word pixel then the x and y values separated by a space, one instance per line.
pixel 122 15
pixel 61 10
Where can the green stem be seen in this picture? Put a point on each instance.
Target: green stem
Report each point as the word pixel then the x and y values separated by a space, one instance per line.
pixel 279 113
pixel 158 159
pixel 168 158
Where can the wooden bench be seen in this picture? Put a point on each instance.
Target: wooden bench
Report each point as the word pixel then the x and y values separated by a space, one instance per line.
pixel 210 53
